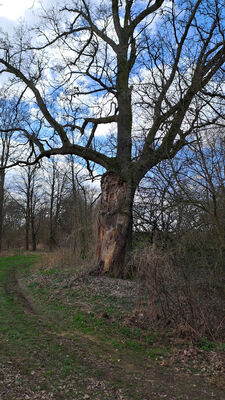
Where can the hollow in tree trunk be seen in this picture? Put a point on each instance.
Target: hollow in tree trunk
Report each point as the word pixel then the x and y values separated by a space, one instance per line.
pixel 114 224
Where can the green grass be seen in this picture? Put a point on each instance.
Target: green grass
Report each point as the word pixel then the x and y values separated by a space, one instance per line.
pixel 7 263
pixel 205 344
pixel 156 352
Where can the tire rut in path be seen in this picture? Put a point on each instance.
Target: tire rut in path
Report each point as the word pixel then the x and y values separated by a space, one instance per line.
pixel 12 287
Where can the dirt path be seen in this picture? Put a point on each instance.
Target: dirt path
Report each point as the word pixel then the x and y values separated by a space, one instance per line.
pixel 12 287
pixel 45 357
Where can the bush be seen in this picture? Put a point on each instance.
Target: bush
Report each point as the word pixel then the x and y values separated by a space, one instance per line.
pixel 178 290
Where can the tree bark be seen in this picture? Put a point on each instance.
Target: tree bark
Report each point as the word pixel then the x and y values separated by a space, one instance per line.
pixel 114 224
pixel 33 233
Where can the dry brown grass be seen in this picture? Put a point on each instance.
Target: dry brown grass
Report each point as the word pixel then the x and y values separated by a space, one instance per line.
pixel 189 301
pixel 64 258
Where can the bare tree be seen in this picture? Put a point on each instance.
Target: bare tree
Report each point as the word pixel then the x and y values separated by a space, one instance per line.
pixel 13 222
pixel 151 72
pixel 77 214
pixel 201 182
pixel 186 193
pixel 55 192
pixel 29 193
pixel 11 112
pixel 5 145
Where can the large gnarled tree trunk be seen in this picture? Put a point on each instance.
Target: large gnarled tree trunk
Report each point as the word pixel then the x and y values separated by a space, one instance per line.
pixel 114 223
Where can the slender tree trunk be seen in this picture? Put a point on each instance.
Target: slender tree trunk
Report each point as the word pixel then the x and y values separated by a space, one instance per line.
pixel 27 223
pixel 114 224
pixel 51 211
pixel 2 192
pixel 33 234
pixel 34 244
pixel 52 240
pixel 27 229
pixel 28 209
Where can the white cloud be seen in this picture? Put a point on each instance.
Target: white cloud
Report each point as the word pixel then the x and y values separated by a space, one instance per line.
pixel 14 9
pixel 106 129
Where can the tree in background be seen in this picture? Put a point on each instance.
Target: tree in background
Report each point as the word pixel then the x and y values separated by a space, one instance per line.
pixel 149 72
pixel 28 192
pixel 55 191
pixel 13 228
pixel 50 206
pixel 186 194
pixel 11 113
pixel 77 220
pixel 201 182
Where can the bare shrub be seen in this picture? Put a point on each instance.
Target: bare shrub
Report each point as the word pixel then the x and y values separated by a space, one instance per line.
pixel 178 295
pixel 64 258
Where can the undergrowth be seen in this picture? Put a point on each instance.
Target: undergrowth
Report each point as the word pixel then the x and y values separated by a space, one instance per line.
pixel 179 294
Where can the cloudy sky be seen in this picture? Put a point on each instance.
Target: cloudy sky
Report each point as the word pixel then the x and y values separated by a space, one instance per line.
pixel 13 10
